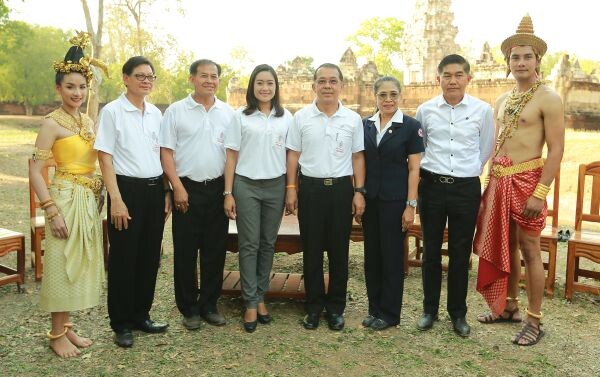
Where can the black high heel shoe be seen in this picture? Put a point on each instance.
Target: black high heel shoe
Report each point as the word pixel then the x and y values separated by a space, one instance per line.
pixel 264 318
pixel 250 326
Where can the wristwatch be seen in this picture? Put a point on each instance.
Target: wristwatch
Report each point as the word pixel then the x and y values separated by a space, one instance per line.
pixel 362 190
pixel 412 203
pixel 225 193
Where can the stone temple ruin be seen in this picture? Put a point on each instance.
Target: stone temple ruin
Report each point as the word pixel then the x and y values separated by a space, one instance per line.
pixel 428 38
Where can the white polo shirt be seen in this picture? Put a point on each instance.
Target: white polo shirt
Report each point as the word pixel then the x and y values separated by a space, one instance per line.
pixel 260 140
pixel 197 137
pixel 326 143
pixel 458 139
pixel 131 137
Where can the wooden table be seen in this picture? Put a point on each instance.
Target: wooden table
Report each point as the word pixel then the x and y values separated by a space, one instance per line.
pixel 13 241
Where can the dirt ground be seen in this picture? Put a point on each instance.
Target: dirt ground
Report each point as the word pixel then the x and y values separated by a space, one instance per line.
pixel 571 346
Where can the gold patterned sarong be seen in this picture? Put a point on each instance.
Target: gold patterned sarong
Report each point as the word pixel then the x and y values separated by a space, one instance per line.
pixel 503 201
pixel 74 267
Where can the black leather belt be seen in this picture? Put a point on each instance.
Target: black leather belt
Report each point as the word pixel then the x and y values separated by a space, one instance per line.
pixel 203 183
pixel 153 181
pixel 324 181
pixel 445 179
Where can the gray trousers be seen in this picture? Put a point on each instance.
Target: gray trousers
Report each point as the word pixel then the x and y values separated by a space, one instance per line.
pixel 259 207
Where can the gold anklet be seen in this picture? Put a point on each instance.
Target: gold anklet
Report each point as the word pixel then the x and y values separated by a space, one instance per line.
pixel 537 316
pixel 512 299
pixel 54 337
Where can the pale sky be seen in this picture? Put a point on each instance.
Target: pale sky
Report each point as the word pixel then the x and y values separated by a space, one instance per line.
pixel 274 31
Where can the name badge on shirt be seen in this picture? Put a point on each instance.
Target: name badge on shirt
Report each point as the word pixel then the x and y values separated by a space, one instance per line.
pixel 339 148
pixel 278 141
pixel 155 144
pixel 221 138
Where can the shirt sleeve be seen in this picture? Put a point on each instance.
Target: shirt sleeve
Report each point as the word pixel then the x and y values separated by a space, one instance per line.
pixel 233 133
pixel 294 139
pixel 415 143
pixel 486 137
pixel 168 135
pixel 419 118
pixel 358 137
pixel 106 137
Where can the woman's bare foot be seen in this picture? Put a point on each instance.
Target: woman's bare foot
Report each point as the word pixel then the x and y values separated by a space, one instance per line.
pixel 77 340
pixel 62 346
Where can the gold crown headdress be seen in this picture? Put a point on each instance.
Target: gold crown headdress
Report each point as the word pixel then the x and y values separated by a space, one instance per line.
pixel 83 66
pixel 524 37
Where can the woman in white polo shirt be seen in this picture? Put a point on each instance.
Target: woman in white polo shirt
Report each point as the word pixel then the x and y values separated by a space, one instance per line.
pixel 254 195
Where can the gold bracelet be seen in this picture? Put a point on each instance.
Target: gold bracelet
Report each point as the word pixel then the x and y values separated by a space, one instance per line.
pixel 41 154
pixel 45 201
pixel 47 205
pixel 541 191
pixel 50 218
pixel 290 186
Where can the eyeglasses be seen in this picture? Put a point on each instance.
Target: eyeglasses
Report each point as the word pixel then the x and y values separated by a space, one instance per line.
pixel 393 96
pixel 142 77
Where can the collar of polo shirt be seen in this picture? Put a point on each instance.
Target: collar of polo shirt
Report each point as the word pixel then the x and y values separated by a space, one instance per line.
pixel 442 101
pixel 128 106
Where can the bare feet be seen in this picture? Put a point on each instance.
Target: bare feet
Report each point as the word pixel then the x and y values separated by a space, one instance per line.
pixel 250 315
pixel 62 346
pixel 77 340
pixel 510 314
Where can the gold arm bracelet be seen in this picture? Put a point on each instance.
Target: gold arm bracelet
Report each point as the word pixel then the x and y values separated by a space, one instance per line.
pixel 541 191
pixel 41 154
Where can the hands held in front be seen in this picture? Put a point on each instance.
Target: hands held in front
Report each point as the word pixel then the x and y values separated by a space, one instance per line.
pixel 533 207
pixel 291 201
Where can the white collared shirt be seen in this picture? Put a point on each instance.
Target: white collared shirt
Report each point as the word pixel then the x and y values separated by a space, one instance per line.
pixel 131 137
pixel 326 143
pixel 458 139
pixel 197 137
pixel 396 118
pixel 260 140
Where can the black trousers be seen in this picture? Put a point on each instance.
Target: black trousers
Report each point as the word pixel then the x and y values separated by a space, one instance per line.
pixel 135 252
pixel 384 258
pixel 203 227
pixel 325 219
pixel 456 202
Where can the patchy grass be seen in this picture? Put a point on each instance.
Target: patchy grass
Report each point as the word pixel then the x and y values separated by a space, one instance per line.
pixel 571 346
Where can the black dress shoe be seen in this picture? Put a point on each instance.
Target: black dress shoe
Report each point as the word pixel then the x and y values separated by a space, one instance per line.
pixel 379 324
pixel 151 327
pixel 368 320
pixel 264 318
pixel 214 318
pixel 311 321
pixel 335 321
pixel 124 338
pixel 426 321
pixel 250 326
pixel 461 327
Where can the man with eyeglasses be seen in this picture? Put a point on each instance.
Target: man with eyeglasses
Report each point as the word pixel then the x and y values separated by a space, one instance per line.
pixel 326 140
pixel 192 153
pixel 139 201
pixel 458 137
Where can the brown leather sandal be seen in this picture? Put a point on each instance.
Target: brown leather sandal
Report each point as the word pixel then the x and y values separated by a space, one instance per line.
pixel 531 333
pixel 490 318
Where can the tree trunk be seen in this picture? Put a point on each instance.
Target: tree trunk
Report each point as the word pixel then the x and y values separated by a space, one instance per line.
pixel 28 108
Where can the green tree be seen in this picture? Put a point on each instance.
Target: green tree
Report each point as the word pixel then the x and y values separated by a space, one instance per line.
pixel 3 12
pixel 26 56
pixel 379 39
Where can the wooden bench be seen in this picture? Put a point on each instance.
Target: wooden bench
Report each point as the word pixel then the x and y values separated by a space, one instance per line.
pixel 13 241
pixel 282 284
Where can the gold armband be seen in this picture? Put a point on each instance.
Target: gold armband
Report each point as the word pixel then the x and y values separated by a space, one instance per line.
pixel 541 190
pixel 41 154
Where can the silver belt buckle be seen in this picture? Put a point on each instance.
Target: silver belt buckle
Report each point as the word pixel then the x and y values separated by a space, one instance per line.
pixel 447 180
pixel 328 182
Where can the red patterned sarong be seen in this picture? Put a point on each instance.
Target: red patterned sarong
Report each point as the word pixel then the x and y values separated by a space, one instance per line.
pixel 503 201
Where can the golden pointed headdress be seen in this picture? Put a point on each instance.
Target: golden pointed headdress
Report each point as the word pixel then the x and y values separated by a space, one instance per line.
pixel 83 66
pixel 524 37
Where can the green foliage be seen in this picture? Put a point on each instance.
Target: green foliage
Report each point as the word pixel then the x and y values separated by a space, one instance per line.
pixel 26 56
pixel 3 12
pixel 379 39
pixel 549 61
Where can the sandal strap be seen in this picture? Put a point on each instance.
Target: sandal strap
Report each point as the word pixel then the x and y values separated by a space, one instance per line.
pixel 512 299
pixel 528 333
pixel 54 337
pixel 531 314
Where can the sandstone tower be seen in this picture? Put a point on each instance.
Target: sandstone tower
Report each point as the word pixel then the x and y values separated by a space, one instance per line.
pixel 428 38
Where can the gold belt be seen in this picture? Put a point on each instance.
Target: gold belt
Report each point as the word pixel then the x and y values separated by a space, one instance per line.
pixel 94 183
pixel 499 171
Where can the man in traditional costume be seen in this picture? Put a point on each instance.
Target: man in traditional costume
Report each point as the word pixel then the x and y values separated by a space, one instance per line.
pixel 73 261
pixel 513 208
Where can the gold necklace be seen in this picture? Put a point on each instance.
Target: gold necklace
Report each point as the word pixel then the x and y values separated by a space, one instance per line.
pixel 71 123
pixel 514 105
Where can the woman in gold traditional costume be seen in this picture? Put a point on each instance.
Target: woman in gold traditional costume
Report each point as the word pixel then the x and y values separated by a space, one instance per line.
pixel 73 264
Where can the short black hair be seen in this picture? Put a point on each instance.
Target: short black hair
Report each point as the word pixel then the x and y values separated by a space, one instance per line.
pixel 134 62
pixel 252 101
pixel 328 65
pixel 454 59
pixel 383 79
pixel 194 66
